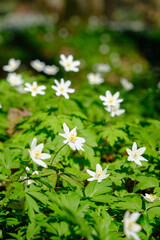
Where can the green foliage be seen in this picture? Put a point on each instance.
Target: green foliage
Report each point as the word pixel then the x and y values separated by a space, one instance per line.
pixel 59 202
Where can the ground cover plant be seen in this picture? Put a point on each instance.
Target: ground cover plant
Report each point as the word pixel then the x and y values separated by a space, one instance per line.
pixel 79 131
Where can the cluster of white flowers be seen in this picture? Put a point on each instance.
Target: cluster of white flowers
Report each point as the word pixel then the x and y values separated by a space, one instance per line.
pixel 12 65
pixel 14 79
pixel 42 67
pixel 113 103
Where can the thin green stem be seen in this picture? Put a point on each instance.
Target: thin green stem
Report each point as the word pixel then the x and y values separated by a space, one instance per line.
pixel 57 153
pixel 7 194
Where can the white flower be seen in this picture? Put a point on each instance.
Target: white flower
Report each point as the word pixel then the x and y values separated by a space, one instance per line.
pixel 115 110
pixel 110 100
pixel 99 174
pixel 103 68
pixel 130 226
pixel 71 138
pixel 12 65
pixel 69 64
pixel 158 85
pixel 50 70
pixel 20 89
pixel 37 65
pixel 15 79
pixel 62 88
pixel 135 154
pixel 36 153
pixel 151 197
pixel 0 105
pixel 126 84
pixel 95 78
pixel 35 89
pixel 27 181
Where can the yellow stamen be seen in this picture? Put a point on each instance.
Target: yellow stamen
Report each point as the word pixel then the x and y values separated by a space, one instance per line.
pixel 37 154
pixel 61 88
pixel 72 138
pixel 98 173
pixel 111 100
pixel 35 88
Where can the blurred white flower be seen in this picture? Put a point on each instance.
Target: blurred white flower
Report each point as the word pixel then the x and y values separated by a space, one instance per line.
pixel 158 85
pixel 130 226
pixel 0 105
pixel 20 89
pixel 50 70
pixel 12 65
pixel 95 78
pixel 27 181
pixel 135 154
pixel 28 169
pixel 15 79
pixel 99 174
pixel 36 153
pixel 69 64
pixel 115 110
pixel 151 197
pixel 35 89
pixel 37 65
pixel 71 138
pixel 104 49
pixel 126 84
pixel 103 68
pixel 111 101
pixel 62 88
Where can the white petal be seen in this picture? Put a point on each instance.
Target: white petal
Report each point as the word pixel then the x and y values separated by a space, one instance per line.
pixel 103 98
pixel 72 145
pixel 105 170
pixel 67 83
pixel 34 143
pixel 135 236
pixel 141 150
pixel 134 216
pixel 134 147
pixel 91 179
pixel 70 90
pixel 40 162
pixel 45 156
pixel 91 172
pixel 128 151
pixel 98 167
pixel 66 129
pixel 143 159
pixel 116 95
pixel 40 147
pixel 73 131
pixel 138 162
